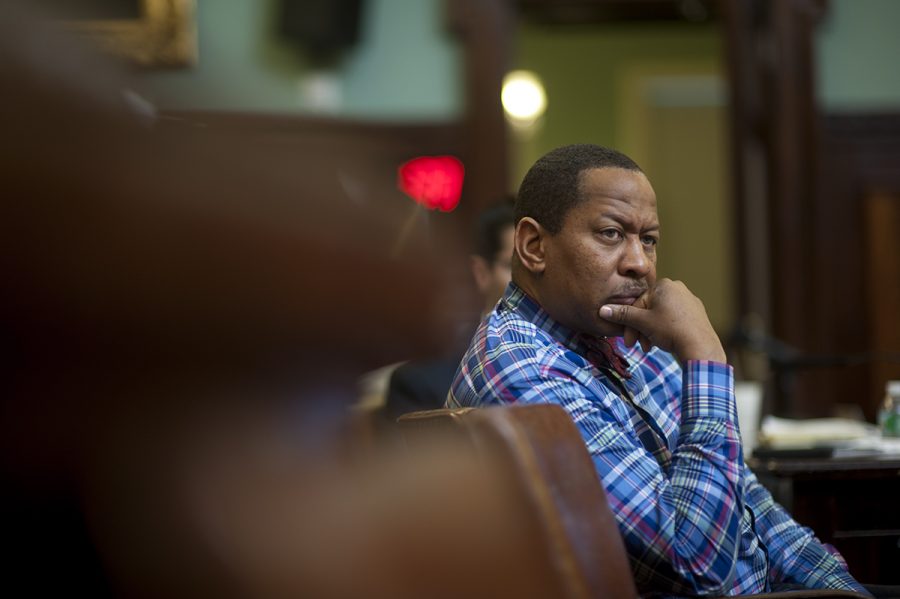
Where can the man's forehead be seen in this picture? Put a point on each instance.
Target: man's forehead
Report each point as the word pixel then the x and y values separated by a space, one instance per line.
pixel 613 182
pixel 616 186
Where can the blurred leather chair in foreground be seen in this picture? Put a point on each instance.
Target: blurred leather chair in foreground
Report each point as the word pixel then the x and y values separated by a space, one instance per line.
pixel 170 294
pixel 545 456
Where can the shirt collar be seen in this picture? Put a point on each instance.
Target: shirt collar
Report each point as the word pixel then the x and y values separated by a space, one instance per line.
pixel 514 298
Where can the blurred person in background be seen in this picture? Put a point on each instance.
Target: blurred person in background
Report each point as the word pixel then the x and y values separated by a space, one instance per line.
pixel 423 384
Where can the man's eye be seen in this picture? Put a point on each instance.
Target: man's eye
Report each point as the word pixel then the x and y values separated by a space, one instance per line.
pixel 650 240
pixel 611 234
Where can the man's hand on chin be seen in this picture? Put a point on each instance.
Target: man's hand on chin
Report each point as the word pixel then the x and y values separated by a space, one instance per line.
pixel 670 317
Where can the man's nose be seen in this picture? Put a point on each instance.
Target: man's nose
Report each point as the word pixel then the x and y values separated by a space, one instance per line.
pixel 635 261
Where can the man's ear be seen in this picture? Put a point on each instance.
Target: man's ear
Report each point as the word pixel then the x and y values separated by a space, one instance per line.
pixel 481 272
pixel 530 242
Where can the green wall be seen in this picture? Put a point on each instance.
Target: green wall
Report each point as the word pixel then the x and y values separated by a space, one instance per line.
pixel 581 68
pixel 406 66
pixel 858 50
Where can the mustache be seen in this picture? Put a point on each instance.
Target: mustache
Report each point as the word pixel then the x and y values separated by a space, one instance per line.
pixel 631 290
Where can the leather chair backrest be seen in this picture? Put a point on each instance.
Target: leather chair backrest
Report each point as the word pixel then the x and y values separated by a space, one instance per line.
pixel 541 451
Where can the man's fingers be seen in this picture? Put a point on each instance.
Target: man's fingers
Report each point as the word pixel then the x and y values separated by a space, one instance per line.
pixel 630 316
pixel 615 313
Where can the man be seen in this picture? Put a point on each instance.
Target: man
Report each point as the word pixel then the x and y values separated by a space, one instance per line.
pixel 635 361
pixel 423 385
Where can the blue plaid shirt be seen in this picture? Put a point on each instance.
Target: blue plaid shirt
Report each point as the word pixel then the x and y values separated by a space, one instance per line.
pixel 665 443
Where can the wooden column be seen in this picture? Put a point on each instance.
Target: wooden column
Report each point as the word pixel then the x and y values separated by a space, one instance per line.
pixel 485 28
pixel 775 140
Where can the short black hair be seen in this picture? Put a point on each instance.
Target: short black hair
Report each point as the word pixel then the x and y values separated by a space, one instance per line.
pixel 552 185
pixel 489 226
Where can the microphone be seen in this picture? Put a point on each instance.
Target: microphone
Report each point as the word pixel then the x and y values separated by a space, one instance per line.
pixel 785 357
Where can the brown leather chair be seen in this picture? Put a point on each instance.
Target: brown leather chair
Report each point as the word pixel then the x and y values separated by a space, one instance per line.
pixel 544 455
pixel 541 450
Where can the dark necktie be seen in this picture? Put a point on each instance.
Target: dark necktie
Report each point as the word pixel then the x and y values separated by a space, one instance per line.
pixel 602 352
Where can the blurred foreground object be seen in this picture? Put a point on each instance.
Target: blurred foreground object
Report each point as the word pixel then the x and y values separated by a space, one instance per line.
pixel 435 524
pixel 543 457
pixel 174 301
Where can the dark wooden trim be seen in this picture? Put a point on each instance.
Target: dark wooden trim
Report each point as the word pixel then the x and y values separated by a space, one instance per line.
pixel 578 12
pixel 748 159
pixel 848 503
pixel 485 28
pixel 873 140
pixel 423 136
pixel 775 133
pixel 860 160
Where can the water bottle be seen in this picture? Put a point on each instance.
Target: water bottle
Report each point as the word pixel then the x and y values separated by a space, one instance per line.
pixel 889 414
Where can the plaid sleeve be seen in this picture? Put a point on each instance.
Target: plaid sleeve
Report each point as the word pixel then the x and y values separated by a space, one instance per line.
pixel 708 391
pixel 681 528
pixel 795 554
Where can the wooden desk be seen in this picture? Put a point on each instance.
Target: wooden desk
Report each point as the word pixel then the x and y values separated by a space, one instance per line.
pixel 852 503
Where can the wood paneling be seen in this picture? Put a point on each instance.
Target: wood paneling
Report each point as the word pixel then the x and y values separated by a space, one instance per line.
pixel 598 11
pixel 809 192
pixel 485 31
pixel 775 142
pixel 882 219
pixel 858 189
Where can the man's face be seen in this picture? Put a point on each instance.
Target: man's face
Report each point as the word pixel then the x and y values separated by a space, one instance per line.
pixel 605 251
pixel 492 278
